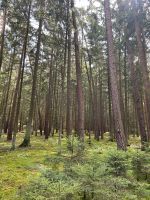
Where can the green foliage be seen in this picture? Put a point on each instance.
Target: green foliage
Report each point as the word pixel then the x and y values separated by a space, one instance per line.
pixel 50 186
pixel 141 166
pixel 82 183
pixel 88 178
pixel 117 163
pixel 38 173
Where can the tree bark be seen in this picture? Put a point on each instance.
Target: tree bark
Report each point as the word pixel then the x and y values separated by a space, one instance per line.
pixel 143 62
pixel 80 96
pixel 137 99
pixel 19 78
pixel 3 119
pixel 26 141
pixel 3 34
pixel 47 124
pixel 120 136
pixel 68 118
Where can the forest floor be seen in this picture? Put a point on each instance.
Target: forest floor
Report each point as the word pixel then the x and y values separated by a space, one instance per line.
pixel 21 170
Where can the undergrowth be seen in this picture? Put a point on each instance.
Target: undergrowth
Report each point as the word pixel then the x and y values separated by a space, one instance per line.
pixel 99 173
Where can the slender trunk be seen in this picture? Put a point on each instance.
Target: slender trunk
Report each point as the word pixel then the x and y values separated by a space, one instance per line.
pixel 19 78
pixel 68 118
pixel 3 36
pixel 96 117
pixel 101 107
pixel 91 104
pixel 111 127
pixel 48 103
pixel 80 96
pixel 63 69
pixel 12 115
pixel 38 105
pixel 6 124
pixel 126 94
pixel 137 98
pixel 3 120
pixel 143 62
pixel 26 141
pixel 21 83
pixel 120 136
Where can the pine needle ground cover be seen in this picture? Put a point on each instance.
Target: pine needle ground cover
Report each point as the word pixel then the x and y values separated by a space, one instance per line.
pixel 100 172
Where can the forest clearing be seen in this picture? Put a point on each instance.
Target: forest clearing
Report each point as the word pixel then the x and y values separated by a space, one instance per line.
pixel 74 99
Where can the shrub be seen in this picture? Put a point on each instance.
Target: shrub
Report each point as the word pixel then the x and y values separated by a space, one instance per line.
pixel 117 163
pixel 86 177
pixel 51 186
pixel 141 166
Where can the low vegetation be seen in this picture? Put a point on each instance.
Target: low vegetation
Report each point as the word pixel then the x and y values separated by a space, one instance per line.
pixel 100 172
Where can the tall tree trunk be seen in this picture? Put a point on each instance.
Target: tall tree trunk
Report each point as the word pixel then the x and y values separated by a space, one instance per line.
pixel 137 98
pixel 68 118
pixel 91 102
pixel 80 96
pixel 47 124
pixel 38 96
pixel 120 136
pixel 3 34
pixel 143 61
pixel 126 94
pixel 15 125
pixel 3 120
pixel 62 99
pixel 101 107
pixel 19 78
pixel 111 127
pixel 26 141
